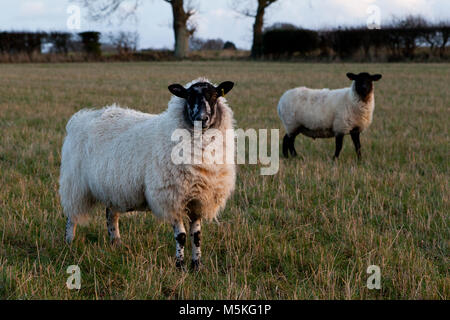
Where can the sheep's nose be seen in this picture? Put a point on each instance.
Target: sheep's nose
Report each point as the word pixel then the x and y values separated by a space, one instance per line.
pixel 205 121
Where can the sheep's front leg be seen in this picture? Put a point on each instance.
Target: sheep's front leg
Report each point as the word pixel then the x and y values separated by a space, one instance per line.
pixel 355 137
pixel 112 223
pixel 180 238
pixel 339 141
pixel 70 230
pixel 195 230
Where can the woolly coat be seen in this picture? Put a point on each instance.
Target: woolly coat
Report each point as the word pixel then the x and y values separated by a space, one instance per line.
pixel 122 158
pixel 324 111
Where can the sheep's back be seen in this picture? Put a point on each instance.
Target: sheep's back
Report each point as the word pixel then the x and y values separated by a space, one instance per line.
pixel 310 108
pixel 114 153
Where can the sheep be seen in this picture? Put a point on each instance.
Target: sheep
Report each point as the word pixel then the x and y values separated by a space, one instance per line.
pixel 121 158
pixel 325 113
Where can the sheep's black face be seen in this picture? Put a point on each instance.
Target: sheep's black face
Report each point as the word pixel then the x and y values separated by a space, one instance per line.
pixel 201 101
pixel 363 83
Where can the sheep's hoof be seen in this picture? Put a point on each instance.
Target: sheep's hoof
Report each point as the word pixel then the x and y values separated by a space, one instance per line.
pixel 196 265
pixel 180 265
pixel 335 158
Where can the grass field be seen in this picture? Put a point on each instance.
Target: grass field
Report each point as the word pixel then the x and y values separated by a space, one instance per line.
pixel 308 232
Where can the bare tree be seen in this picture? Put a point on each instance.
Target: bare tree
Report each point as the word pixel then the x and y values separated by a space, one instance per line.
pixel 258 15
pixel 124 42
pixel 181 26
pixel 182 12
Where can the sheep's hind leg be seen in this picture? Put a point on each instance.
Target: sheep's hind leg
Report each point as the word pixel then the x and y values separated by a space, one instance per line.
pixel 289 144
pixel 339 141
pixel 195 230
pixel 292 146
pixel 355 137
pixel 112 223
pixel 286 145
pixel 70 230
pixel 180 239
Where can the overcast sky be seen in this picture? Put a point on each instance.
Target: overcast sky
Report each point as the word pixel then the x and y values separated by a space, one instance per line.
pixel 216 19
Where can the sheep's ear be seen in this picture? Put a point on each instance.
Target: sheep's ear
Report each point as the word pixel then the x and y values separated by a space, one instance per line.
pixel 224 88
pixel 178 90
pixel 375 77
pixel 351 76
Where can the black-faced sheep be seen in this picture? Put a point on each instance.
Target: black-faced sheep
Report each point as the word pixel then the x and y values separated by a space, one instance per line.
pixel 324 113
pixel 122 159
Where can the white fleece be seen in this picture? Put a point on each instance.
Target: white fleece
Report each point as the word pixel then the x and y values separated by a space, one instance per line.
pixel 122 159
pixel 339 110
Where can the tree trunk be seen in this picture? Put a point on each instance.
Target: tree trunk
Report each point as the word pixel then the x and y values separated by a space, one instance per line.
pixel 257 46
pixel 180 18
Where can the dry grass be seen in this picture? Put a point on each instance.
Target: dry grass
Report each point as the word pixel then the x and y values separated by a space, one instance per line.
pixel 308 232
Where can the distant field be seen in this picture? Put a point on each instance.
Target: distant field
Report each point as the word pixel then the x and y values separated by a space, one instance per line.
pixel 308 232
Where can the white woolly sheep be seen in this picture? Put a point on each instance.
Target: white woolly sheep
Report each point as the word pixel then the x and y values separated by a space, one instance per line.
pixel 122 159
pixel 325 113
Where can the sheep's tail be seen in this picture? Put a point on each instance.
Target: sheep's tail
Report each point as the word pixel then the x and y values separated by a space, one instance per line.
pixel 75 197
pixel 280 115
pixel 279 108
pixel 74 192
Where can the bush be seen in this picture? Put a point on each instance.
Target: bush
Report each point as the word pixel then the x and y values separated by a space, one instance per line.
pixel 91 43
pixel 21 42
pixel 197 44
pixel 279 42
pixel 396 41
pixel 229 46
pixel 60 41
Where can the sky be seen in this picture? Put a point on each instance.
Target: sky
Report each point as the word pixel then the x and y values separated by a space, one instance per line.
pixel 215 19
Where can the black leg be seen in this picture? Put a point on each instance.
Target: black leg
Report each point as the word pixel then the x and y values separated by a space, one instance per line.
pixel 355 137
pixel 292 137
pixel 288 145
pixel 292 147
pixel 286 142
pixel 339 141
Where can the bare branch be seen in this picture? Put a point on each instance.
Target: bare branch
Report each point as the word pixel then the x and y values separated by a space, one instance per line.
pixel 236 5
pixel 109 10
pixel 267 3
